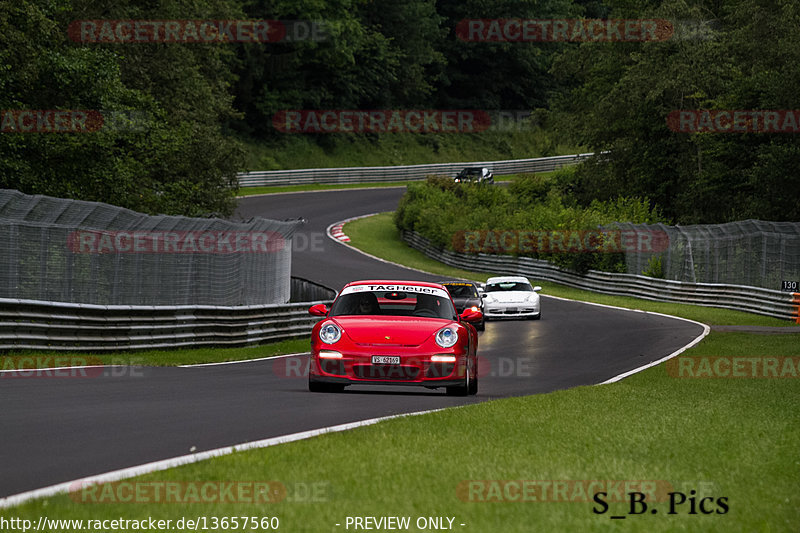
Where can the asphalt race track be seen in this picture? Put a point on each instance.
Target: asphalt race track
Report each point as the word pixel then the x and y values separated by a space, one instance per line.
pixel 54 430
pixel 315 256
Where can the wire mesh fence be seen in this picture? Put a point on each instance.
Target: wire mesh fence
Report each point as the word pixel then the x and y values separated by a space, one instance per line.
pixel 750 252
pixel 87 252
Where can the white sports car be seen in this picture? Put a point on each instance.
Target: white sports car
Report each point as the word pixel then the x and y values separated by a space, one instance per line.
pixel 512 297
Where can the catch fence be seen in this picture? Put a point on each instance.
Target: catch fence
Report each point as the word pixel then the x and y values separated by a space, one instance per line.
pixel 81 252
pixel 755 253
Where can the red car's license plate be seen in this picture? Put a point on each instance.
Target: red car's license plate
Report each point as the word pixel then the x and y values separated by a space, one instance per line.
pixel 385 360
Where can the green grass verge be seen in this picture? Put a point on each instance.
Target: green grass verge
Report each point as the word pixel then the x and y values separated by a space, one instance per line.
pixel 378 236
pixel 735 439
pixel 724 438
pixel 43 359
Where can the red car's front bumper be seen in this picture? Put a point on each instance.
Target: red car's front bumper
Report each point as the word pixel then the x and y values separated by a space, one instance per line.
pixel 358 368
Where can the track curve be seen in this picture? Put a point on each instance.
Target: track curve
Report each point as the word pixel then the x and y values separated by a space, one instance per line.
pixel 56 430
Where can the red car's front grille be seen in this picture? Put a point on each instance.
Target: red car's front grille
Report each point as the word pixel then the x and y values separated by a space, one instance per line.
pixel 387 372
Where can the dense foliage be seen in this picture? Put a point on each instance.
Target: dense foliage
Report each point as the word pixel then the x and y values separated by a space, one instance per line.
pixel 193 104
pixel 745 57
pixel 442 211
pixel 173 156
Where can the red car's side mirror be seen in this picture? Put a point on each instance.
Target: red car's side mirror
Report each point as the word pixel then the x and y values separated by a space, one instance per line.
pixel 471 316
pixel 318 310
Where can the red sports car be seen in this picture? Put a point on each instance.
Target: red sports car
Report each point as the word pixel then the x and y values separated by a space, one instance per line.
pixel 380 332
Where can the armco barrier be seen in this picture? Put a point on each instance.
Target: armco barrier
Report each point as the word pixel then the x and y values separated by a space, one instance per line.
pixel 401 173
pixel 741 298
pixel 37 325
pixel 304 290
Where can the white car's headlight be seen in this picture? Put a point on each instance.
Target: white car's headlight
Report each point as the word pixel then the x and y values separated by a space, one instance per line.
pixel 330 333
pixel 447 337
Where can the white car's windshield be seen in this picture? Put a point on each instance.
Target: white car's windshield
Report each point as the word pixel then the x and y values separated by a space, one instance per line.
pixel 509 286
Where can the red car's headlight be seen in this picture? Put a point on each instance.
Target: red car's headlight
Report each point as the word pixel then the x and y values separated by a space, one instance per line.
pixel 330 333
pixel 447 337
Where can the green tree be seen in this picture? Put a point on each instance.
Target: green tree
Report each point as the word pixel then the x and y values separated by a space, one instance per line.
pixel 498 75
pixel 374 54
pixel 624 93
pixel 174 157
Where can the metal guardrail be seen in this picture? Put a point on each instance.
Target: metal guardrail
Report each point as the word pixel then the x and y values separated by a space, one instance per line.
pixel 304 290
pixel 401 173
pixel 757 300
pixel 53 326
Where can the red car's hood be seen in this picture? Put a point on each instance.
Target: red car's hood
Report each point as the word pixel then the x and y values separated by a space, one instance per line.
pixel 399 330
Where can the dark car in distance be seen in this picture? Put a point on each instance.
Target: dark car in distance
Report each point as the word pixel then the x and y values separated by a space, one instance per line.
pixel 474 175
pixel 467 295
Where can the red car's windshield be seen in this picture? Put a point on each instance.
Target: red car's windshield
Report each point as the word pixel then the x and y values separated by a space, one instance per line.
pixel 393 303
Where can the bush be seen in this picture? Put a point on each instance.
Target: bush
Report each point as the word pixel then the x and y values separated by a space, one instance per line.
pixel 442 211
pixel 529 189
pixel 655 268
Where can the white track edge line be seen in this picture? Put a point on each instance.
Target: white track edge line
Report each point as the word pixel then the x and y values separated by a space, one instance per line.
pixel 386 261
pixel 176 366
pixel 244 360
pixel 60 368
pixel 156 466
pixel 706 331
pixel 706 328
